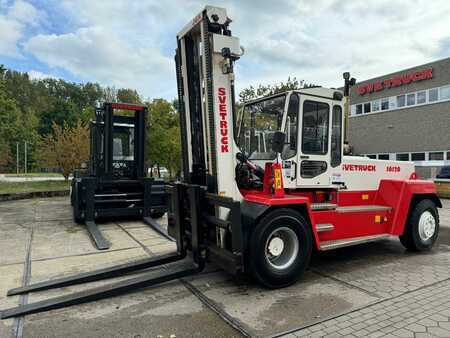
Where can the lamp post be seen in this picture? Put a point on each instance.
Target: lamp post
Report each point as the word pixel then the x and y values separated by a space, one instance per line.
pixel 25 165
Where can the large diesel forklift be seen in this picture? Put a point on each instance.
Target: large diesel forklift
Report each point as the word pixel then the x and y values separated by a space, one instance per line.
pixel 115 184
pixel 261 209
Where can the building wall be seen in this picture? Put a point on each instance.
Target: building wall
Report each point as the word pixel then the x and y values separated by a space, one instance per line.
pixel 419 128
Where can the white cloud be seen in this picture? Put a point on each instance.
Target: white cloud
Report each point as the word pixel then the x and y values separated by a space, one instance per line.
pixel 317 41
pixel 130 43
pixel 24 12
pixel 96 54
pixel 10 33
pixel 13 24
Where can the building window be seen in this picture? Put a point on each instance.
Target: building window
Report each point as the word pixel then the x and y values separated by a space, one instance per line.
pixel 436 156
pixel 383 156
pixel 421 97
pixel 433 95
pixel 358 109
pixel 402 157
pixel 418 157
pixel 372 156
pixel 401 101
pixel 406 100
pixel 445 93
pixel 448 155
pixel 376 105
pixel 411 99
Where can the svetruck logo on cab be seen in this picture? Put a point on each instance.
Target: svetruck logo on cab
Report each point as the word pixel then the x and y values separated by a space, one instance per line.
pixel 359 167
pixel 223 120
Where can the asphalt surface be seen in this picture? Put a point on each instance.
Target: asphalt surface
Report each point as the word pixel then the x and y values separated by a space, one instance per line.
pixel 38 241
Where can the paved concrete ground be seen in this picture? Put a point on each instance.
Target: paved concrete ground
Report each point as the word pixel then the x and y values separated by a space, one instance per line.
pixel 374 289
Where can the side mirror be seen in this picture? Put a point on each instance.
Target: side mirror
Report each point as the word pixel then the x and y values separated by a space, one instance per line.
pixel 278 141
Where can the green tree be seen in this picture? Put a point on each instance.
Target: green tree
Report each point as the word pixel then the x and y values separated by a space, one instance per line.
pixel 5 157
pixel 164 147
pixel 65 148
pixel 251 92
pixel 10 126
pixel 127 95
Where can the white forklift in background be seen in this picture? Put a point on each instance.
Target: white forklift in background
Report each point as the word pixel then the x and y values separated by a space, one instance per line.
pixel 262 209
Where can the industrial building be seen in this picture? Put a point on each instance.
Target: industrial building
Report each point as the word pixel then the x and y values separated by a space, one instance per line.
pixel 404 116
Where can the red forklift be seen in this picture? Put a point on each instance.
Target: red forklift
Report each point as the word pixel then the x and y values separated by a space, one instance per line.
pixel 263 187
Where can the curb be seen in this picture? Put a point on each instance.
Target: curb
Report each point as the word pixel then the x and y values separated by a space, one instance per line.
pixel 34 194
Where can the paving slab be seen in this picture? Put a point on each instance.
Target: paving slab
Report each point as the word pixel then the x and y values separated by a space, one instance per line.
pixel 56 239
pixel 169 309
pixel 146 233
pixel 65 266
pixel 11 276
pixel 164 310
pixel 404 316
pixel 263 312
pixel 385 268
pixel 60 209
pixel 129 224
pixel 14 239
pixel 17 214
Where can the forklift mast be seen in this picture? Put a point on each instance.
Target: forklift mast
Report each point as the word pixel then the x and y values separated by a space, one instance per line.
pixel 205 54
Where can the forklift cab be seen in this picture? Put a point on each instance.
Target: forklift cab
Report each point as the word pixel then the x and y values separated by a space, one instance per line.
pixel 114 152
pixel 312 121
pixel 123 164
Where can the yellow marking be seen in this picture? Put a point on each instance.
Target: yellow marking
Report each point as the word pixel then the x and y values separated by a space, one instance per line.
pixel 377 219
pixel 277 179
pixel 221 193
pixel 365 197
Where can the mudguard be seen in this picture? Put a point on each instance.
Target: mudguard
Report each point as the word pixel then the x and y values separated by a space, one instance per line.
pixel 399 194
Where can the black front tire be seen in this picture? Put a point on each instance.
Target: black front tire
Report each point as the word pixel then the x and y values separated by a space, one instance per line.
pixel 412 238
pixel 261 268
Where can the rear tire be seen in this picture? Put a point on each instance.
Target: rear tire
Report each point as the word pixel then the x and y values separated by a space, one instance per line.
pixel 74 201
pixel 422 227
pixel 280 248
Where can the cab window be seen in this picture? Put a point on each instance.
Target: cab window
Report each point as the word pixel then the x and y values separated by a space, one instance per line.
pixel 290 149
pixel 336 136
pixel 315 128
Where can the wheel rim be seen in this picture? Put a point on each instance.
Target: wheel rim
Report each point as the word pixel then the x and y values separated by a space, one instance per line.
pixel 427 225
pixel 281 248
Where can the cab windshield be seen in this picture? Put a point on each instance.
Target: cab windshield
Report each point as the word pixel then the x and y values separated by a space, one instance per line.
pixel 256 126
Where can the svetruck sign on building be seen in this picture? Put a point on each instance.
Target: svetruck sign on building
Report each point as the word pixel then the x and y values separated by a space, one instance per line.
pixel 395 81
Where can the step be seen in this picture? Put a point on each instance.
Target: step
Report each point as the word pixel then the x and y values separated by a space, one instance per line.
pixel 340 243
pixel 363 208
pixel 324 227
pixel 323 206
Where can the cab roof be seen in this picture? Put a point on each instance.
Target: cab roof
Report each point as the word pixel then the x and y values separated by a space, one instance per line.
pixel 328 93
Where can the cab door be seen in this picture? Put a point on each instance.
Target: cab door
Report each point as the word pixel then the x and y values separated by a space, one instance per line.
pixel 314 168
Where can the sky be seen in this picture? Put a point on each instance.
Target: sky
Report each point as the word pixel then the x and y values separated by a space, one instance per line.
pixel 131 43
